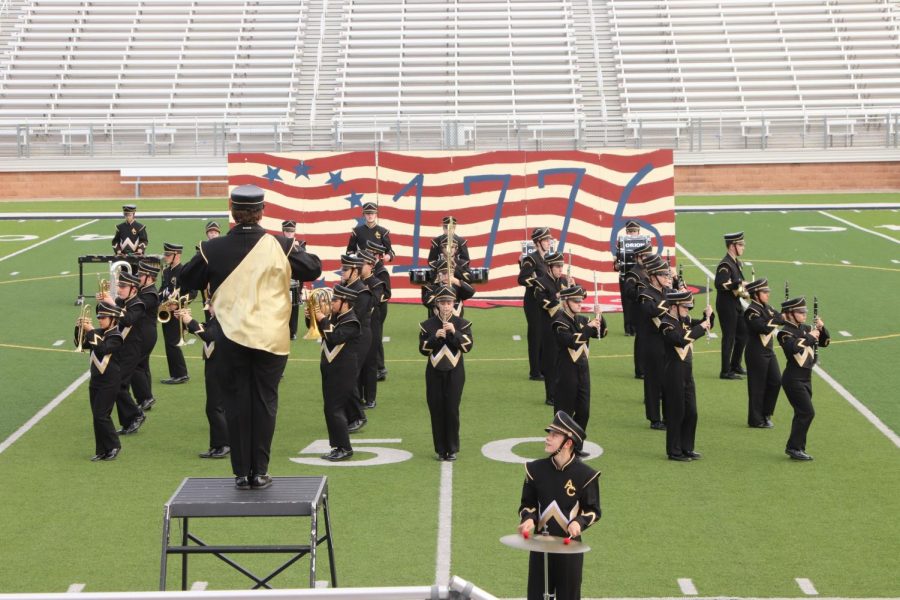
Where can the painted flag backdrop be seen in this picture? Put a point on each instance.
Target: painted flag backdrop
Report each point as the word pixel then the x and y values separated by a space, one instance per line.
pixel 497 198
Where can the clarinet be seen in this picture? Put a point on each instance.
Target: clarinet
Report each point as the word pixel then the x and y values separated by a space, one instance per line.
pixel 815 319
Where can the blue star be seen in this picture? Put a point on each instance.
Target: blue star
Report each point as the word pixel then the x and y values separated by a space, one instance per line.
pixel 354 199
pixel 319 283
pixel 335 179
pixel 360 221
pixel 272 174
pixel 301 170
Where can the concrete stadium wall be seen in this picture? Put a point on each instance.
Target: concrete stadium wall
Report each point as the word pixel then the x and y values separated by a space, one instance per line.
pixel 689 179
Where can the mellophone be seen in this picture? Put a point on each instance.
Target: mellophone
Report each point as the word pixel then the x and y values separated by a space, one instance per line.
pixel 130 259
pixel 424 276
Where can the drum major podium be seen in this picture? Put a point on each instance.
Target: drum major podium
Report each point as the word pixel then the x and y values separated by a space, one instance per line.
pixel 217 497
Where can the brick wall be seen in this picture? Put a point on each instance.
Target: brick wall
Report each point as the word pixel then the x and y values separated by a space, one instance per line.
pixel 689 179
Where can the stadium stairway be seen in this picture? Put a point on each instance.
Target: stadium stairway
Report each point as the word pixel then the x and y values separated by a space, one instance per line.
pixel 317 79
pixel 597 74
pixel 10 11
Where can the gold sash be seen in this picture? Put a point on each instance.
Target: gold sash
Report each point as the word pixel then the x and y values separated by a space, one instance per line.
pixel 253 304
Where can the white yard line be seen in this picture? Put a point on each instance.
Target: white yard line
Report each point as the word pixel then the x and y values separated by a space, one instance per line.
pixel 49 239
pixel 845 333
pixel 806 586
pixel 855 226
pixel 687 586
pixel 445 521
pixel 75 588
pixel 59 342
pixel 43 412
pixel 859 406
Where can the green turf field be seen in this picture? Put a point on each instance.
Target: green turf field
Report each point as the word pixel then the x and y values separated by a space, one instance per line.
pixel 744 521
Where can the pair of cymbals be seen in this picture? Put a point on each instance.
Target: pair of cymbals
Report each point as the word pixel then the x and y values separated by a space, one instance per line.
pixel 549 544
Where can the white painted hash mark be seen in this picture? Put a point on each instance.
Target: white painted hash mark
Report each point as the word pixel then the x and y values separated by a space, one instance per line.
pixel 845 262
pixel 713 335
pixel 14 273
pixel 806 586
pixel 845 333
pixel 199 586
pixel 895 261
pixel 517 338
pixel 798 263
pixel 687 586
pixel 59 342
pixel 64 272
pixel 386 338
pixel 75 588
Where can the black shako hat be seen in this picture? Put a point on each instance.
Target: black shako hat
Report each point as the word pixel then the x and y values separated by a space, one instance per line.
pixel 554 258
pixel 351 260
pixel 540 233
pixel 248 197
pixel 680 298
pixel 148 267
pixel 566 425
pixel 793 304
pixel 572 292
pixel 129 209
pixel 213 226
pixel 105 309
pixel 342 292
pixel 128 279
pixel 732 238
pixel 757 285
pixel 370 207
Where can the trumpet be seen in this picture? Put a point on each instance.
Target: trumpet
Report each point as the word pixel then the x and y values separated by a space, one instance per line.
pixel 103 286
pixel 83 318
pixel 317 300
pixel 167 309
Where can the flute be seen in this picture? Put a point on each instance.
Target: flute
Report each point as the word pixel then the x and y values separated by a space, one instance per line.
pixel 596 298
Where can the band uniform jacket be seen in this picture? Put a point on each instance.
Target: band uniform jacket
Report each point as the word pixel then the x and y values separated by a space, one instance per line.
pixel 149 295
pixel 340 337
pixel 573 334
pixel 554 496
pixel 762 322
pixel 104 346
pixel 130 238
pixel 800 350
pixel 171 281
pixel 634 280
pixel 440 242
pixel 463 291
pixel 207 332
pixel 679 336
pixel 446 353
pixel 729 278
pixel 362 233
pixel 131 326
pixel 531 268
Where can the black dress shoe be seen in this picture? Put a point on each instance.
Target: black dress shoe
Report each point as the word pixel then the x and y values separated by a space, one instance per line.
pixel 357 425
pixel 763 425
pixel 679 457
pixel 242 483
pixel 548 402
pixel 691 454
pixel 450 456
pixel 338 454
pixel 112 454
pixel 659 425
pixel 440 456
pixel 797 454
pixel 536 377
pixel 97 457
pixel 638 375
pixel 370 404
pixel 147 404
pixel 259 482
pixel 175 380
pixel 739 370
pixel 207 454
pixel 729 375
pixel 769 422
pixel 293 336
pixel 220 452
pixel 135 425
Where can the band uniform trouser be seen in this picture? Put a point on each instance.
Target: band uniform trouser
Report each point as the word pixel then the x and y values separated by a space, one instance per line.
pixel 215 407
pixel 763 385
pixel 564 575
pixel 443 390
pixel 338 392
pixel 354 409
pixel 680 401
pixel 548 356
pixel 126 408
pixel 734 331
pixel 103 393
pixel 141 381
pixel 295 319
pixel 250 379
pixel 653 355
pixel 369 366
pixel 174 355
pixel 573 389
pixel 534 328
pixel 379 342
pixel 627 309
pixel 798 389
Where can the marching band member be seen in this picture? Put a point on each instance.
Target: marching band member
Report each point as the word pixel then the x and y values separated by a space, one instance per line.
pixel 212 230
pixel 679 332
pixel 384 275
pixel 289 230
pixel 369 365
pixel 799 342
pixel 546 291
pixel 104 343
pixel 171 287
pixel 141 381
pixel 130 236
pixel 635 281
pixel 562 495
pixel 531 267
pixel 573 334
pixel 370 231
pixel 623 263
pixel 444 338
pixel 462 290
pixel 341 332
pixel 439 244
pixel 131 417
pixel 255 341
pixel 363 306
pixel 729 291
pixel 208 332
pixel 652 307
pixel 763 374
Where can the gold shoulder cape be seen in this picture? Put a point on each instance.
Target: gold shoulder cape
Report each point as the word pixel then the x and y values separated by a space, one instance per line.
pixel 253 304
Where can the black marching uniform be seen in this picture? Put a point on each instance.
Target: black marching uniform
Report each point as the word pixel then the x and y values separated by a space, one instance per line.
pixel 729 280
pixel 381 313
pixel 364 307
pixel 634 280
pixel 800 357
pixel 573 374
pixel 445 376
pixel 680 396
pixel 130 238
pixel 104 346
pixel 362 234
pixel 763 374
pixel 624 263
pixel 254 342
pixel 170 282
pixel 546 292
pixel 462 292
pixel 142 380
pixel 131 327
pixel 369 366
pixel 439 243
pixel 339 368
pixel 208 333
pixel 553 496
pixel 652 348
pixel 532 267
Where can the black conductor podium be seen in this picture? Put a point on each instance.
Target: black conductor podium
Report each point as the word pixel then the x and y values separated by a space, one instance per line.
pixel 217 497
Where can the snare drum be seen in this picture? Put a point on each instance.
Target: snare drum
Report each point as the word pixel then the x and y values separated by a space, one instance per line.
pixel 420 276
pixel 479 274
pixel 527 248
